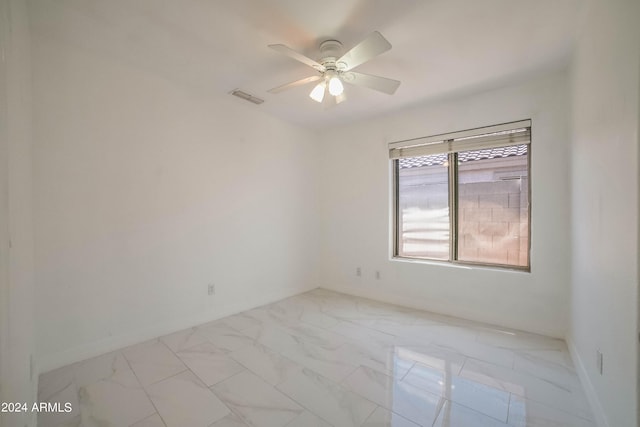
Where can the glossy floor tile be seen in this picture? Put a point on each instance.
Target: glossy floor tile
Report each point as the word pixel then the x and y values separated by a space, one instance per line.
pixel 324 359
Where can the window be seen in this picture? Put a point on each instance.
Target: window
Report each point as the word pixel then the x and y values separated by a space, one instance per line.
pixel 464 197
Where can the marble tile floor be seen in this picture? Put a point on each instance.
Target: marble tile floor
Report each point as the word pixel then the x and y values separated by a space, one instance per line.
pixel 323 359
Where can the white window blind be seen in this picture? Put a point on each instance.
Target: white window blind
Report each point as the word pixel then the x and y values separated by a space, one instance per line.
pixel 514 133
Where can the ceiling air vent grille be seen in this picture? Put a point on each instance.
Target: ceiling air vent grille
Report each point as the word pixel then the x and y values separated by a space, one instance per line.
pixel 246 96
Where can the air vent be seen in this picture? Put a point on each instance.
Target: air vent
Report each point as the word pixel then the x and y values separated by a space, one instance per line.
pixel 246 96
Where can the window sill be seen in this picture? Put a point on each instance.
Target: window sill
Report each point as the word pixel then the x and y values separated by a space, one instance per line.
pixel 461 265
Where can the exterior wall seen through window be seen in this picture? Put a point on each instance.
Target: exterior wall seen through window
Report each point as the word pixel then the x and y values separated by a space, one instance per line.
pixel 489 204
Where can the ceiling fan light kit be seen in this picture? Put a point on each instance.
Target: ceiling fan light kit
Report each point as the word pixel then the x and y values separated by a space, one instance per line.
pixel 333 69
pixel 317 94
pixel 335 86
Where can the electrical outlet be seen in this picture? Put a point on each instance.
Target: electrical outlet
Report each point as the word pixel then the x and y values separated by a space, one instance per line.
pixel 599 361
pixel 358 271
pixel 377 275
pixel 212 289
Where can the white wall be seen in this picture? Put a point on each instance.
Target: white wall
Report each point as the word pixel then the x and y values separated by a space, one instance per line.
pixel 356 213
pixel 147 190
pixel 17 384
pixel 605 173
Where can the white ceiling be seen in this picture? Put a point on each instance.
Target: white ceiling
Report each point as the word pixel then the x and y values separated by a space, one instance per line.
pixel 440 48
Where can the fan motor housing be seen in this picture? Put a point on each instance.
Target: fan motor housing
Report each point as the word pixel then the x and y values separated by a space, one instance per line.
pixel 330 50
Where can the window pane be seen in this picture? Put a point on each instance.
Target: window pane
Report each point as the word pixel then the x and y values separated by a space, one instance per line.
pixel 493 222
pixel 423 207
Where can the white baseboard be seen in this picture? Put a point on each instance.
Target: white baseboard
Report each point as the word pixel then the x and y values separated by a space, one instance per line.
pixel 589 389
pixel 97 348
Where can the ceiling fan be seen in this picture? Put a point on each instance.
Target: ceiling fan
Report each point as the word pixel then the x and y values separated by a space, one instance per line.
pixel 333 69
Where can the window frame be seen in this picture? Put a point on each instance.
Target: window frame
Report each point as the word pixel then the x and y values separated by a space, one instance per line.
pixel 452 158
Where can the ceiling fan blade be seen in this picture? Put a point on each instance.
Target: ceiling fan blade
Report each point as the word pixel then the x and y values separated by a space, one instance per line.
pixel 381 84
pixel 341 98
pixel 328 102
pixel 367 49
pixel 331 101
pixel 297 56
pixel 300 82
